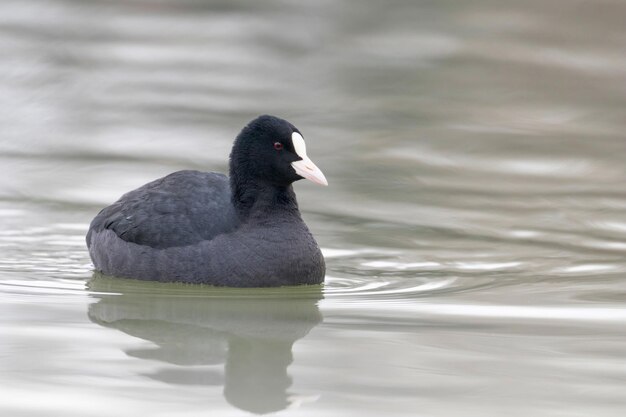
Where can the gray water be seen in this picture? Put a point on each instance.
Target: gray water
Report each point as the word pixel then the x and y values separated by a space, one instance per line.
pixel 474 227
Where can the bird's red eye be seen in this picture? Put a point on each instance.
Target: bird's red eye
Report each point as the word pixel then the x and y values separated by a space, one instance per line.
pixel 278 146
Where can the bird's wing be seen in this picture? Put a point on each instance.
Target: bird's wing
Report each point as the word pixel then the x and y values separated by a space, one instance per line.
pixel 180 209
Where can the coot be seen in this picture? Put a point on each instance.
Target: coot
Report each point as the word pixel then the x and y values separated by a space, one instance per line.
pixel 203 227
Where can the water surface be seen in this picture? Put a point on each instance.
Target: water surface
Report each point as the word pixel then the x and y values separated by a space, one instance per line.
pixel 474 227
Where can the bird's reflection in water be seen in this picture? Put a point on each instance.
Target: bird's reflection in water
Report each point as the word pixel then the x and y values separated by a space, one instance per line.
pixel 251 331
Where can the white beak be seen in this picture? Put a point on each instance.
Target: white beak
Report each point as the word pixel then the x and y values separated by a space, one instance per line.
pixel 305 167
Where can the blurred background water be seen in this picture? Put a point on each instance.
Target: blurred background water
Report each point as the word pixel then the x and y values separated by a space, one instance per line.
pixel 474 227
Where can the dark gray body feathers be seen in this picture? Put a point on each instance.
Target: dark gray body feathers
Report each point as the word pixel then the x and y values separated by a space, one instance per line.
pixel 181 209
pixel 184 228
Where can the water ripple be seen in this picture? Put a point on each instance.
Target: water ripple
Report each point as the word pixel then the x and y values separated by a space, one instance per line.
pixel 499 312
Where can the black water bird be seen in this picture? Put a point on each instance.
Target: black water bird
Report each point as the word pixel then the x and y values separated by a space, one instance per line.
pixel 204 227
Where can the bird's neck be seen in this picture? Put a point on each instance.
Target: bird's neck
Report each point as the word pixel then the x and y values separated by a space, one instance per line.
pixel 256 200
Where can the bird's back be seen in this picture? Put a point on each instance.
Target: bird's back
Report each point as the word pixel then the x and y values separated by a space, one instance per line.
pixel 181 209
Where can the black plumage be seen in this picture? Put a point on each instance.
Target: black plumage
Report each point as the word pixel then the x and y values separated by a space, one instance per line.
pixel 200 227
